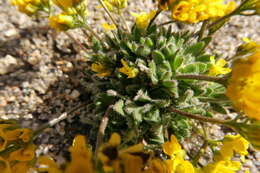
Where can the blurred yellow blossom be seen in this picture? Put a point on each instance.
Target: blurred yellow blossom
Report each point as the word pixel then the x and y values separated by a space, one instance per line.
pixel 176 164
pixel 23 133
pixel 243 88
pixel 143 19
pixel 65 4
pixel 108 27
pixel 4 166
pixel 23 154
pixel 223 166
pixel 101 69
pixel 218 68
pixel 81 157
pixel 165 4
pixel 193 11
pixel 232 144
pixel 46 164
pixel 61 22
pixel 118 4
pixel 131 72
pixel 248 47
pixel 28 7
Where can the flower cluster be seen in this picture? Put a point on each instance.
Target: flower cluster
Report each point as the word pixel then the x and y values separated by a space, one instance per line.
pixel 16 148
pixel 111 158
pixel 193 11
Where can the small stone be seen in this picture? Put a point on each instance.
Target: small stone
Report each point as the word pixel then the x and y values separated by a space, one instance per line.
pixel 65 66
pixel 11 32
pixel 74 94
pixel 257 156
pixel 9 64
pixel 3 101
pixel 34 58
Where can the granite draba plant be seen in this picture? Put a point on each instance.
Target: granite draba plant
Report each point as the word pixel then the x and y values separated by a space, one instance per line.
pixel 153 86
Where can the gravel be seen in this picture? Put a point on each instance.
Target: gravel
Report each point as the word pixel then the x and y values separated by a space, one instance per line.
pixel 41 71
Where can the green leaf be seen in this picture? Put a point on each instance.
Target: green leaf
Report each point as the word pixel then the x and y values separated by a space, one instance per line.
pixel 153 74
pixel 195 49
pixel 218 108
pixel 164 71
pixel 142 96
pixel 177 62
pixel 172 86
pixel 156 134
pixel 149 42
pixel 190 69
pixel 202 67
pixel 153 116
pixel 143 51
pixel 119 107
pixel 158 57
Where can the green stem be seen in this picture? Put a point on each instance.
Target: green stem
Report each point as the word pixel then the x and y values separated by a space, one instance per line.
pixel 153 19
pixel 53 122
pixel 220 80
pixel 102 128
pixel 166 23
pixel 76 41
pixel 108 13
pixel 221 19
pixel 202 30
pixel 124 21
pixel 198 117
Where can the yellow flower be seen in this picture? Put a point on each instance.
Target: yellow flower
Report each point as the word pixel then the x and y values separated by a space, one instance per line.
pixel 222 166
pixel 143 19
pixel 179 165
pixel 108 27
pixel 28 7
pixel 4 166
pixel 173 148
pixel 193 11
pixel 21 167
pixel 251 132
pixel 119 4
pixel 101 69
pixel 157 166
pixel 46 164
pixel 23 154
pixel 129 71
pixel 108 153
pixel 65 4
pixel 81 157
pixel 243 88
pixel 249 47
pixel 231 144
pixel 61 22
pixel 165 4
pixel 23 133
pixel 218 67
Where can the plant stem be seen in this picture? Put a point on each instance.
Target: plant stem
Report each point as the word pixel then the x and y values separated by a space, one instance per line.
pixel 202 30
pixel 125 23
pixel 153 19
pixel 53 122
pixel 221 19
pixel 76 41
pixel 166 23
pixel 107 11
pixel 220 80
pixel 96 35
pixel 102 128
pixel 198 117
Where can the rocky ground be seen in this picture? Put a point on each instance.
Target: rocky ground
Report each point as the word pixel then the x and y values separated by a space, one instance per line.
pixel 41 71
